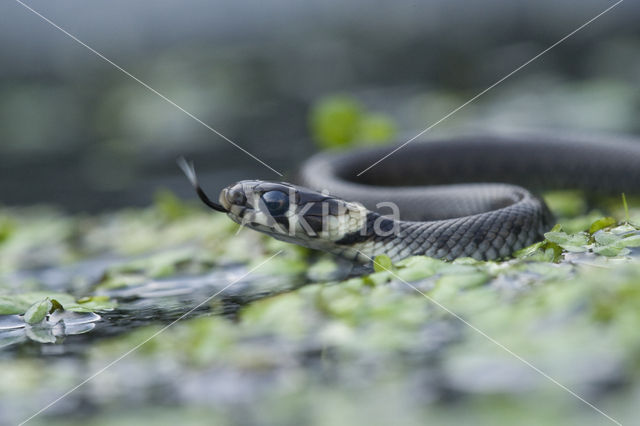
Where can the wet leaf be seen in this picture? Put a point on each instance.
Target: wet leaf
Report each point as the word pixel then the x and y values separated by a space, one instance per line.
pixel 55 306
pixel 601 224
pixel 556 228
pixel 20 303
pixel 631 241
pixel 569 242
pixel 625 228
pixel 38 311
pixel 529 250
pixel 611 250
pixel 606 238
pixel 382 263
pixel 41 334
pixel 9 306
pixel 92 304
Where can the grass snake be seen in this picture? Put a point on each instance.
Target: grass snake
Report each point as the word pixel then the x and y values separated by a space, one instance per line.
pixel 446 198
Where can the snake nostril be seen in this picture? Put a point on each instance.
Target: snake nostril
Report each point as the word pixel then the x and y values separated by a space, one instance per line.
pixel 236 197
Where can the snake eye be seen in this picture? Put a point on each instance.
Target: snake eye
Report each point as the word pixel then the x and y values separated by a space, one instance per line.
pixel 277 202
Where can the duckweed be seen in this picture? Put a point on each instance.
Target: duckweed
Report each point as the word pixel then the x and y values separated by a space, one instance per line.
pixel 568 304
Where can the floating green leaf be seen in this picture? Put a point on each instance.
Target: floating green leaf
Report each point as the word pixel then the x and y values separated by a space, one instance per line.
pixel 606 238
pixel 614 244
pixel 611 250
pixel 20 303
pixel 631 241
pixel 10 306
pixel 382 263
pixel 38 311
pixel 529 250
pixel 569 242
pixel 55 306
pixel 601 223
pixel 92 304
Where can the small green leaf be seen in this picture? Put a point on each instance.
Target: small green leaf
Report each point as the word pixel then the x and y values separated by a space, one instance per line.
pixel 611 250
pixel 601 224
pixel 573 242
pixel 552 253
pixel 40 334
pixel 92 304
pixel 556 228
pixel 606 238
pixel 382 263
pixel 529 250
pixel 38 311
pixel 83 300
pixel 631 241
pixel 9 305
pixel 55 306
pixel 624 229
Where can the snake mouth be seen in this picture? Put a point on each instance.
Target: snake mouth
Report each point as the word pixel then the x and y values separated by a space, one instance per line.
pixel 224 200
pixel 234 200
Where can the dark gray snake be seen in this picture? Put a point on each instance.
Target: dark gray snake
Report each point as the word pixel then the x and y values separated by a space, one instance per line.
pixel 448 203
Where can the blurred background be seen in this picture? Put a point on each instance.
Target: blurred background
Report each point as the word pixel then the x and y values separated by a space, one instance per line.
pixel 77 133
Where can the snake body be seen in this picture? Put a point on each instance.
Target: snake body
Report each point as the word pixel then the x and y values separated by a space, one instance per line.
pixel 456 197
pixel 448 208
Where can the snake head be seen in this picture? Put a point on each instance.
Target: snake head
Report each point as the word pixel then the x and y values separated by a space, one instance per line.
pixel 292 213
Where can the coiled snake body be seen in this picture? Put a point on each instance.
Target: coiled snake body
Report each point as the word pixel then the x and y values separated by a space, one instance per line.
pixel 455 197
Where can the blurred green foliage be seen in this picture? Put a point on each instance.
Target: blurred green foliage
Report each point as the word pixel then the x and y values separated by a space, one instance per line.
pixel 340 121
pixel 558 303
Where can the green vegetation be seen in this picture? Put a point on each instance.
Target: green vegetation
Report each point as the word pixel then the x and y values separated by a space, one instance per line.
pixel 569 305
pixel 42 303
pixel 341 121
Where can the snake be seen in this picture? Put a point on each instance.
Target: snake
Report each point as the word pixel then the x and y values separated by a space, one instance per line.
pixel 471 196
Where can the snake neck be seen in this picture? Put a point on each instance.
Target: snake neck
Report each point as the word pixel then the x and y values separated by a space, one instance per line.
pixel 378 235
pixel 480 237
